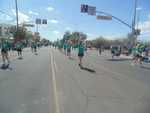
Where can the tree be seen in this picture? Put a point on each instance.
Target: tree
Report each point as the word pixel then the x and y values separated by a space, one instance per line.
pixel 20 34
pixel 66 36
pixel 100 42
pixel 74 37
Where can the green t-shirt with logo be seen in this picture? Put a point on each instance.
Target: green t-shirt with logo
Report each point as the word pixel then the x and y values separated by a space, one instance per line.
pixel 81 49
pixel 5 45
pixel 19 46
pixel 65 46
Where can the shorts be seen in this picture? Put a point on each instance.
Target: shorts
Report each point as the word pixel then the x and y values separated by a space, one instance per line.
pixel 4 51
pixel 138 56
pixel 80 55
pixel 68 50
pixel 112 52
pixel 19 50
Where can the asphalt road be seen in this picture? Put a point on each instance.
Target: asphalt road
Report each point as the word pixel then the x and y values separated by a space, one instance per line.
pixel 27 88
pixel 52 83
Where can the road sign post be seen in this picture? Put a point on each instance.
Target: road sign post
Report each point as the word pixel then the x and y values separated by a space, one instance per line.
pixel 91 10
pixel 44 21
pixel 38 21
pixel 84 8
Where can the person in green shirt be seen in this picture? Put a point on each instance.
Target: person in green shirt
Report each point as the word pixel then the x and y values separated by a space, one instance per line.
pixel 65 47
pixel 4 52
pixel 115 51
pixel 137 54
pixel 80 52
pixel 69 49
pixel 19 47
pixel 35 47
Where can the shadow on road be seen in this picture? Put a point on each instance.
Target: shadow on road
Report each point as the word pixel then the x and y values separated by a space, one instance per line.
pixel 122 59
pixel 71 58
pixel 144 67
pixel 87 69
pixel 6 67
pixel 20 58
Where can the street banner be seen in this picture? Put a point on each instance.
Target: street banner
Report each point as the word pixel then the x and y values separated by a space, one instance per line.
pixel 99 17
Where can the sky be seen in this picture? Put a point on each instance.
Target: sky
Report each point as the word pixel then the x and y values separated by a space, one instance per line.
pixel 65 15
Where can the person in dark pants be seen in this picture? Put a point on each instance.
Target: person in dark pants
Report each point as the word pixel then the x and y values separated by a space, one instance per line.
pixel 100 50
pixel 4 52
pixel 80 52
pixel 69 49
pixel 19 47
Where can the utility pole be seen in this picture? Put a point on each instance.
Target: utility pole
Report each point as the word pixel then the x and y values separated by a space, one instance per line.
pixel 134 22
pixel 17 27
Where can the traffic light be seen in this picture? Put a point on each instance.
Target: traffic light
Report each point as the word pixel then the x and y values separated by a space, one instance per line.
pixel 84 8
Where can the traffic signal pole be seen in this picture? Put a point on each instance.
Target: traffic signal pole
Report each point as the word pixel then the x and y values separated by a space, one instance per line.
pixel 37 29
pixel 116 18
pixel 134 22
pixel 92 11
pixel 17 27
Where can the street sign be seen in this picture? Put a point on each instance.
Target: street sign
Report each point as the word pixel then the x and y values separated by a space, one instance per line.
pixel 84 8
pixel 44 21
pixel 38 21
pixel 99 17
pixel 91 10
pixel 28 25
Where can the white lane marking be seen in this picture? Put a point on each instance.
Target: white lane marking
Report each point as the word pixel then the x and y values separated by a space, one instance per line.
pixel 54 85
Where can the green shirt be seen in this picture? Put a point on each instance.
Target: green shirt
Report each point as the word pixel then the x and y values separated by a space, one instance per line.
pixel 80 49
pixel 135 51
pixel 68 46
pixel 140 48
pixel 19 46
pixel 65 46
pixel 5 45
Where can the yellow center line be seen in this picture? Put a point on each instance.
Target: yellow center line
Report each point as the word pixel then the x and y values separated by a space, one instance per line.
pixel 57 109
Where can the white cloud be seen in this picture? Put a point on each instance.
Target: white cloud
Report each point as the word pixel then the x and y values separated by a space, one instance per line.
pixel 139 8
pixel 68 29
pixel 5 17
pixel 22 17
pixel 56 32
pixel 54 21
pixel 33 13
pixel 50 8
pixel 145 27
pixel 8 18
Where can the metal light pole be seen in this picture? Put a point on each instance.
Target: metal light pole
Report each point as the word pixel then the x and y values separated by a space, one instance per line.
pixel 134 22
pixel 17 18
